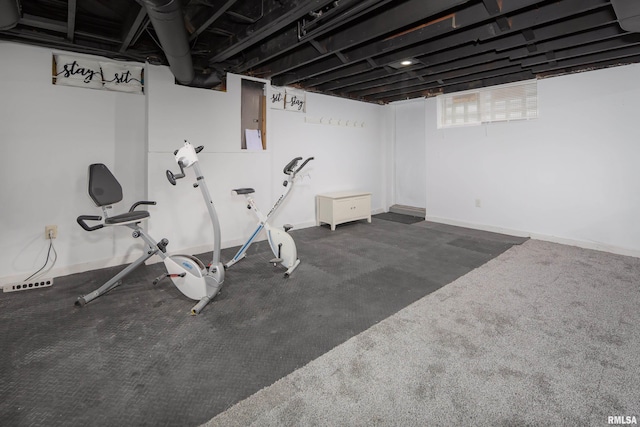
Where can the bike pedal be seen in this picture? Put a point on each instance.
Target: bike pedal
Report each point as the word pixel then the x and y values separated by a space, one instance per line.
pixel 276 260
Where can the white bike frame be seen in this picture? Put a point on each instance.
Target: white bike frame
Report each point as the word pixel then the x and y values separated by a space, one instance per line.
pixel 263 220
pixel 190 275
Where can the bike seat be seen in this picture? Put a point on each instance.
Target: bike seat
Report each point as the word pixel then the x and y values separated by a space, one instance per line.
pixel 129 217
pixel 242 191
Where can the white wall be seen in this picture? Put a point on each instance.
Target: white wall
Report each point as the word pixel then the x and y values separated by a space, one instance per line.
pixel 410 176
pixel 570 176
pixel 345 158
pixel 49 135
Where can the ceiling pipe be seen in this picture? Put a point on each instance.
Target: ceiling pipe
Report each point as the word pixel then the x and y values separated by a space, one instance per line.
pixel 9 14
pixel 168 23
pixel 628 14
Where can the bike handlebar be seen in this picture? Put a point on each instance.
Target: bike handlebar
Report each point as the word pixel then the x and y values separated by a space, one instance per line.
pixel 172 177
pixel 198 149
pixel 291 168
pixel 142 202
pixel 82 218
pixel 288 170
pixel 304 163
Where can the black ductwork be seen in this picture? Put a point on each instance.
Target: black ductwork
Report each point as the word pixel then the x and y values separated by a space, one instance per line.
pixel 628 14
pixel 206 80
pixel 9 14
pixel 168 23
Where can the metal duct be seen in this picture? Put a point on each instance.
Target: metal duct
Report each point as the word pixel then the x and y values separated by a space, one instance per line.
pixel 9 14
pixel 628 13
pixel 206 80
pixel 168 22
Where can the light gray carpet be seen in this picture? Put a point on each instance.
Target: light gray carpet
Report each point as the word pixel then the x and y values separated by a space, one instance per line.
pixel 545 334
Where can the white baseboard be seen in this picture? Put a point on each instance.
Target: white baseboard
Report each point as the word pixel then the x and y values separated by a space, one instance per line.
pixel 408 210
pixel 76 268
pixel 123 260
pixel 597 246
pixel 302 225
pixel 475 226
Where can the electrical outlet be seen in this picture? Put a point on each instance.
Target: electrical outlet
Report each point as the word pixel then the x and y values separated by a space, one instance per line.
pixel 50 231
pixel 478 203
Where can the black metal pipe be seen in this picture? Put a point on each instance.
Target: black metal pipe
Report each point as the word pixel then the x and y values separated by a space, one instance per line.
pixel 168 23
pixel 628 13
pixel 206 80
pixel 9 14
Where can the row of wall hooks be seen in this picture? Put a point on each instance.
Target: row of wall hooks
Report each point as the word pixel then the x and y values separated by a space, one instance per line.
pixel 332 121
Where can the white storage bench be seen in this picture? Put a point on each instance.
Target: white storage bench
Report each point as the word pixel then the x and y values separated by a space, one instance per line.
pixel 342 206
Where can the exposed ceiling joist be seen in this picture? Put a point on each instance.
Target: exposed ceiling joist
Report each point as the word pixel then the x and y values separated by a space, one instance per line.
pixel 71 19
pixel 213 18
pixel 278 18
pixel 384 22
pixel 132 26
pixel 444 49
pixel 349 48
pixel 461 45
pixel 43 23
pixel 450 24
pixel 293 38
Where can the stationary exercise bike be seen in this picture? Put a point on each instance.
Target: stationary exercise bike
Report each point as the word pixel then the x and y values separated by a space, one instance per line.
pixel 280 241
pixel 188 273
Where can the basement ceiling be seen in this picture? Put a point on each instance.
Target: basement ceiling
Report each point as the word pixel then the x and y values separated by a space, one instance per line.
pixel 349 48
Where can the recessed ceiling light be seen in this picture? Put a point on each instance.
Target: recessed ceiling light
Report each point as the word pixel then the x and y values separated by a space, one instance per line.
pixel 404 63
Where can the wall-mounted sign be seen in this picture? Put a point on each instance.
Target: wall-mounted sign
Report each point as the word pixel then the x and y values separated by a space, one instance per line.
pixel 122 77
pixel 71 71
pixel 83 72
pixel 276 97
pixel 295 100
pixel 281 98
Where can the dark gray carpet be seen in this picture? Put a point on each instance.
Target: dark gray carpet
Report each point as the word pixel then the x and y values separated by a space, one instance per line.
pixel 401 218
pixel 136 357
